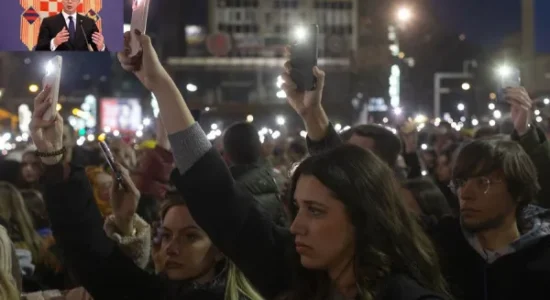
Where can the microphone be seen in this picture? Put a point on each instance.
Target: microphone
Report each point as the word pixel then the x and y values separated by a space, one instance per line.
pixel 85 38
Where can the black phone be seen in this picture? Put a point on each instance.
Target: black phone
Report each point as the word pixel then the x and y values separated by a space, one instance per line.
pixel 111 162
pixel 304 53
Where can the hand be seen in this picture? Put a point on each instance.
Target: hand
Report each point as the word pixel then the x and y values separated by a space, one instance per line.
pixel 98 40
pixel 303 102
pixel 410 141
pixel 46 135
pixel 146 65
pixel 521 105
pixel 124 201
pixel 61 37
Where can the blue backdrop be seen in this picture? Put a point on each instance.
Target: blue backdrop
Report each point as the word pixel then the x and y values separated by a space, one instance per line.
pixel 112 14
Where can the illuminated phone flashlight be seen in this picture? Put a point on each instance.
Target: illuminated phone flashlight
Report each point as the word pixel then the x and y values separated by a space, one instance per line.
pixel 50 68
pixel 504 71
pixel 300 33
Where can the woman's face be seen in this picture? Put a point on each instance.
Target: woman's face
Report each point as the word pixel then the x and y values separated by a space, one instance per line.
pixel 30 168
pixel 324 235
pixel 190 253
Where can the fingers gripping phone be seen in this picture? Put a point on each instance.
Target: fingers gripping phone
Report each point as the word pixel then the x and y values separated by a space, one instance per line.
pixel 111 162
pixel 140 10
pixel 509 78
pixel 304 55
pixel 53 79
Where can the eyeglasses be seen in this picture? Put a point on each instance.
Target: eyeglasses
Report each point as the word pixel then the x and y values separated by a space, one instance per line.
pixel 482 183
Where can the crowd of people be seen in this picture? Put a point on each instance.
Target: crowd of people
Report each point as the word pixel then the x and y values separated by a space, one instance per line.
pixel 361 214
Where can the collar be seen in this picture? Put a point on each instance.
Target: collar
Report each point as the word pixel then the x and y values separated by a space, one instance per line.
pixel 66 15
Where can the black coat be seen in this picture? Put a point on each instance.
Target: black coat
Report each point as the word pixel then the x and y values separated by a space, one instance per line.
pixel 51 26
pixel 96 261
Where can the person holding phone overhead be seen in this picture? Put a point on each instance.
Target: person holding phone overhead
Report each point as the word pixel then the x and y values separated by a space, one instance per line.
pixel 69 31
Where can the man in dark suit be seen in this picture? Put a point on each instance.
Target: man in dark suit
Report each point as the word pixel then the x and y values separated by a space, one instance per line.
pixel 69 31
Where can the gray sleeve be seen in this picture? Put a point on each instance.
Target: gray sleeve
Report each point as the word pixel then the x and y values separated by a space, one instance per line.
pixel 188 146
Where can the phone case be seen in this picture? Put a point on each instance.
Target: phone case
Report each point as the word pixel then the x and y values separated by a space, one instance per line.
pixel 304 54
pixel 140 10
pixel 110 160
pixel 511 81
pixel 53 78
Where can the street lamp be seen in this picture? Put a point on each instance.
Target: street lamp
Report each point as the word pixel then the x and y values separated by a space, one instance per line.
pixel 466 86
pixel 191 87
pixel 404 14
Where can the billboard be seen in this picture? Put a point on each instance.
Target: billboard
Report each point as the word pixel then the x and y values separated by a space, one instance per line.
pixel 120 114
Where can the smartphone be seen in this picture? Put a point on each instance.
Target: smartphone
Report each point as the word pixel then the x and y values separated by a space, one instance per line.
pixel 140 10
pixel 111 162
pixel 53 79
pixel 509 79
pixel 304 52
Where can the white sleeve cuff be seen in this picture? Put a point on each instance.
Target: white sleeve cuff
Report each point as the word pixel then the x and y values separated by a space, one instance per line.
pixel 137 246
pixel 52 45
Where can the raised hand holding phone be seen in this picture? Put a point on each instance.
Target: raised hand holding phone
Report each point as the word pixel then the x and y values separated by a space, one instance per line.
pixel 124 200
pixel 53 80
pixel 140 11
pixel 303 56
pixel 47 135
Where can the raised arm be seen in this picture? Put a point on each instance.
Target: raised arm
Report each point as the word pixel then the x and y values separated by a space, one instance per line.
pixel 229 215
pixel 77 224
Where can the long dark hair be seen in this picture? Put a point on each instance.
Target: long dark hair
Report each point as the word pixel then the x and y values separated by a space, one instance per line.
pixel 388 240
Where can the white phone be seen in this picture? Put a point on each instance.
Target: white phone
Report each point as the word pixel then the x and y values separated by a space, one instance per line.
pixel 140 11
pixel 53 79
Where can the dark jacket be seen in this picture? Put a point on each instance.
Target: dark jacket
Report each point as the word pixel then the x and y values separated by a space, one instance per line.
pixel 51 26
pixel 98 263
pixel 260 182
pixel 522 272
pixel 233 221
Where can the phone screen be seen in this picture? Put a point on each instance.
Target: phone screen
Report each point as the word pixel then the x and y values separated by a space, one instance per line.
pixel 53 79
pixel 509 78
pixel 140 10
pixel 304 54
pixel 111 162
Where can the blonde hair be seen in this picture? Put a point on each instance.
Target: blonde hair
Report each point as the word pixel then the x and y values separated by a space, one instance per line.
pixel 237 285
pixel 8 289
pixel 14 211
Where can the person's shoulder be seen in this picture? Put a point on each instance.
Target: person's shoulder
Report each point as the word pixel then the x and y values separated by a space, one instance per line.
pixel 50 18
pixel 402 287
pixel 85 19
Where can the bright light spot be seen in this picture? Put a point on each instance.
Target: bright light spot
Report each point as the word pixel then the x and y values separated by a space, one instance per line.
pixel 280 120
pixel 424 173
pixel 25 136
pixel 460 106
pixel 6 137
pixel 58 107
pixel 116 133
pixel 8 147
pixel 546 101
pixel 397 111
pixel 401 55
pixel 538 119
pixel 537 112
pixel 211 135
pixel 462 119
pixel 207 108
pixel 497 114
pixel 140 127
pixel 385 120
pixel 250 118
pixel 338 127
pixel 263 131
pixel 139 133
pixel 491 106
pixel 217 132
pixel 81 141
pixel 281 94
pixel 101 137
pixel 437 121
pixel 492 96
pixel 49 67
pixel 262 139
pixel 280 81
pixel 424 147
pixel 303 134
pixel 420 118
pixel 466 86
pixel 504 71
pixel 275 135
pixel 346 128
pixel 91 137
pixel 146 121
pixel 33 88
pixel 404 14
pixel 107 129
pixel 475 122
pixel 420 126
pixel 300 33
pixel 214 126
pixel 492 123
pixel 191 87
pixel 18 139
